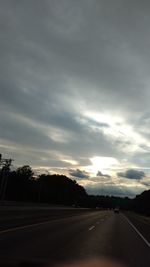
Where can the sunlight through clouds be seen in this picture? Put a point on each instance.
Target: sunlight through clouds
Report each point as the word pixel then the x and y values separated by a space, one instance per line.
pixel 103 163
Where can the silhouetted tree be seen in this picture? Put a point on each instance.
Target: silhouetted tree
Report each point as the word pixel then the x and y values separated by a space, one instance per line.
pixel 59 189
pixel 25 172
pixel 21 185
pixel 142 203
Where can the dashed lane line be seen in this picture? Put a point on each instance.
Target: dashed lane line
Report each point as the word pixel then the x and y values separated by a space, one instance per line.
pixel 92 227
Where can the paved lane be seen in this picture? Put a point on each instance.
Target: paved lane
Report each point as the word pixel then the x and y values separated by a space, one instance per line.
pixel 94 234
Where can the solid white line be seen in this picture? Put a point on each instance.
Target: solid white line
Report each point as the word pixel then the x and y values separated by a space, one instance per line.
pixel 137 231
pixel 22 227
pixel 30 225
pixel 91 228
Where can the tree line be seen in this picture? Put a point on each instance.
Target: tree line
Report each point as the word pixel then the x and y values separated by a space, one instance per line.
pixel 23 186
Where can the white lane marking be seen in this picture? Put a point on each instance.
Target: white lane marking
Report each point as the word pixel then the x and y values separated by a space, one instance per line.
pixel 30 225
pixel 34 224
pixel 22 227
pixel 92 227
pixel 137 231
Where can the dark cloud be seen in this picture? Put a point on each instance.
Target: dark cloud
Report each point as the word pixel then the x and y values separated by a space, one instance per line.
pixel 132 174
pixel 79 174
pixel 99 173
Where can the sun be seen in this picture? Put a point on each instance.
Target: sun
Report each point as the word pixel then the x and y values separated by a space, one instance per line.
pixel 103 163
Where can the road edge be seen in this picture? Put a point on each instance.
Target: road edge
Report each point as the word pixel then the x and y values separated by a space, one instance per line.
pixel 136 230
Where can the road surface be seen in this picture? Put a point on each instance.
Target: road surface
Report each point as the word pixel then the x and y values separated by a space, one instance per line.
pixel 89 234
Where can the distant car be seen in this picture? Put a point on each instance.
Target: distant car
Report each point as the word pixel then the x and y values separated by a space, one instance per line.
pixel 116 210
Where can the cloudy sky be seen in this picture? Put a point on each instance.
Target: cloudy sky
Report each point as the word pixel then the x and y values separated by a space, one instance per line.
pixel 75 90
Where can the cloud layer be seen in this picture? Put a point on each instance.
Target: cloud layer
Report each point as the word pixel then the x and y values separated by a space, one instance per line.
pixel 74 84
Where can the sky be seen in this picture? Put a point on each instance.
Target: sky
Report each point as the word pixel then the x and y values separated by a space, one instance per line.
pixel 75 90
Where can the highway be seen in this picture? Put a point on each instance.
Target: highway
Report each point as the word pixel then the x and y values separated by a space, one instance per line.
pixel 72 236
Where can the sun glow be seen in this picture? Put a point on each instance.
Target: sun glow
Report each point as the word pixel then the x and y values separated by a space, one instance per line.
pixel 72 162
pixel 103 163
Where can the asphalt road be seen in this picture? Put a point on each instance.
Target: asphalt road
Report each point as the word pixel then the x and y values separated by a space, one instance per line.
pixel 11 217
pixel 84 236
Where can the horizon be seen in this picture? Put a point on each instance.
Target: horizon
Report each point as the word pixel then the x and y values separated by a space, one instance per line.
pixel 103 190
